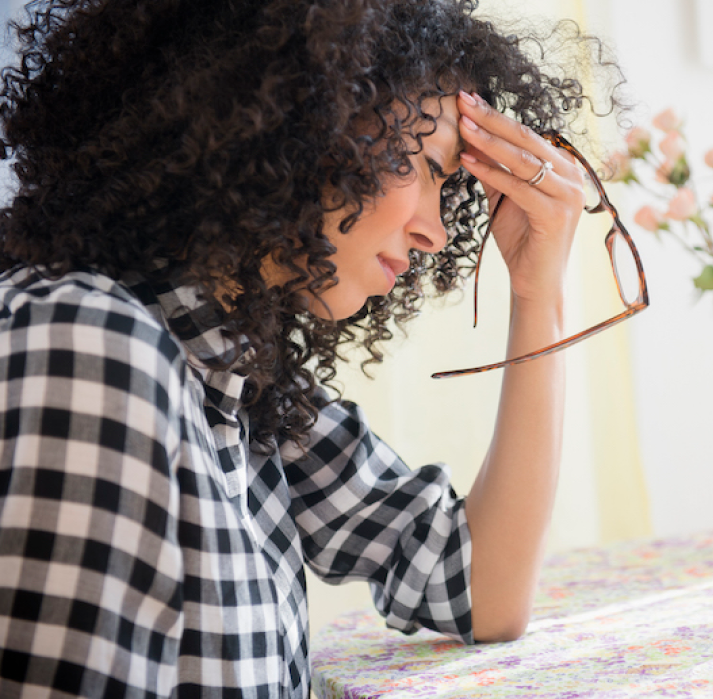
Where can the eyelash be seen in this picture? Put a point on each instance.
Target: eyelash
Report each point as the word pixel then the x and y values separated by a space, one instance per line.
pixel 435 170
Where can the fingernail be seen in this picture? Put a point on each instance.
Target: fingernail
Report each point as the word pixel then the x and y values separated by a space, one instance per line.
pixel 468 157
pixel 477 98
pixel 467 98
pixel 468 123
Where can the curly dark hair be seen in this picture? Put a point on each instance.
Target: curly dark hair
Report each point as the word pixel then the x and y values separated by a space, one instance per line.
pixel 206 133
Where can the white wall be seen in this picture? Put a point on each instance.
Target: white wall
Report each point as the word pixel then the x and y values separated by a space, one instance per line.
pixel 8 9
pixel 664 47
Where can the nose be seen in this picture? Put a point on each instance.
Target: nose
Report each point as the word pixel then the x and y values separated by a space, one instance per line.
pixel 427 231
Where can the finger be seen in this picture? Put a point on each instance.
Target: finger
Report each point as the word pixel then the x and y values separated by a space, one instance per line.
pixel 495 178
pixel 565 189
pixel 513 145
pixel 553 192
pixel 504 127
pixel 518 161
pixel 506 179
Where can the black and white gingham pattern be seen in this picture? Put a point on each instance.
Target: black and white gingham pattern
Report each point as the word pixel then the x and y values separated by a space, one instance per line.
pixel 144 551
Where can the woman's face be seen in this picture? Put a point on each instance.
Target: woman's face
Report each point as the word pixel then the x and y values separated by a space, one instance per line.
pixel 376 249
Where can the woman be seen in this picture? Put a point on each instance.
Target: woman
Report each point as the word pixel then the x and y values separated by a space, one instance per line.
pixel 212 199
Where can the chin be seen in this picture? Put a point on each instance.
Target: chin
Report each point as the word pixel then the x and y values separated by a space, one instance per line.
pixel 336 309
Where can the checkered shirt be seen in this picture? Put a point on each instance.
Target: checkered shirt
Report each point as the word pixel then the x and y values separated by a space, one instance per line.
pixel 144 550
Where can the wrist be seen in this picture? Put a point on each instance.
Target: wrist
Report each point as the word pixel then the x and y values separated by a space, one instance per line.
pixel 544 307
pixel 535 323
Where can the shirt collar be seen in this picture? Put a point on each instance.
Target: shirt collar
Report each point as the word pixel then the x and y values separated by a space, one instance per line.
pixel 199 327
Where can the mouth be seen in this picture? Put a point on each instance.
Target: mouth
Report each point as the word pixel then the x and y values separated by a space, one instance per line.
pixel 392 269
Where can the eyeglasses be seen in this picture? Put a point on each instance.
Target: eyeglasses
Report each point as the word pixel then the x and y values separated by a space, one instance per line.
pixel 623 255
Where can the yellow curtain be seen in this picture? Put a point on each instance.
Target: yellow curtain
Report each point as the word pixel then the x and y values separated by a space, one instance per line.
pixel 603 491
pixel 623 499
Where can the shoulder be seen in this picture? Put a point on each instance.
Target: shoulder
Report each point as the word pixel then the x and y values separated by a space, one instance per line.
pixel 85 327
pixel 83 303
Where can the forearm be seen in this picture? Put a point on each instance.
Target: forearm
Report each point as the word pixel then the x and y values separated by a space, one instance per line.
pixel 510 504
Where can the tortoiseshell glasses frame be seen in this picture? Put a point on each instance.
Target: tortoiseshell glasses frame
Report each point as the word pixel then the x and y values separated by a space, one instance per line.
pixel 617 230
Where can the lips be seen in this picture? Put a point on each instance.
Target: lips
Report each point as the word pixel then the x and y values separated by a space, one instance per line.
pixel 392 268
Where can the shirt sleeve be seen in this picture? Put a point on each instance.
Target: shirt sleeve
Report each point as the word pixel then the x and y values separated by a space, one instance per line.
pixel 363 515
pixel 90 566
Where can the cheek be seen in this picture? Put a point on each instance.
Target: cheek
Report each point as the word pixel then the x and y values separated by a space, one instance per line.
pixel 398 206
pixel 386 216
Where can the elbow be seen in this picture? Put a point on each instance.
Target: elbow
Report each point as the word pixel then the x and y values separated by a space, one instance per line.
pixel 501 628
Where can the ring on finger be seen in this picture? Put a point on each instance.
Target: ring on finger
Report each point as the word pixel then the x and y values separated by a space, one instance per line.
pixel 545 167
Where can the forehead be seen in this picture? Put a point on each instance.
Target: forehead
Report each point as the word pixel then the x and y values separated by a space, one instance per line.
pixel 442 109
pixel 445 111
pixel 409 123
pixel 435 107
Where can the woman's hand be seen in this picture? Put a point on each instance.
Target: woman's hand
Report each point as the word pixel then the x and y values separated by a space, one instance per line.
pixel 536 223
pixel 510 504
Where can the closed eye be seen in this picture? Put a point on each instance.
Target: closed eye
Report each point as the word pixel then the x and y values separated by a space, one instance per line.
pixel 436 170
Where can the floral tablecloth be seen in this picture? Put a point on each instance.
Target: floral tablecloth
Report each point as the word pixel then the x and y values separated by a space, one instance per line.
pixel 630 620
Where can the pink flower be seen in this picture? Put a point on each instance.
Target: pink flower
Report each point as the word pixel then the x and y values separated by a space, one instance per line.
pixel 638 142
pixel 683 205
pixel 663 173
pixel 620 164
pixel 708 158
pixel 667 120
pixel 672 146
pixel 649 218
pixel 676 173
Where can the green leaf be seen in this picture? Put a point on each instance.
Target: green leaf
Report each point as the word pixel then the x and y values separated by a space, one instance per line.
pixel 704 282
pixel 629 177
pixel 681 172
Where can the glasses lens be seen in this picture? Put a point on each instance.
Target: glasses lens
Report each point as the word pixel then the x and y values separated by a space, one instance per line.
pixel 624 263
pixel 623 259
